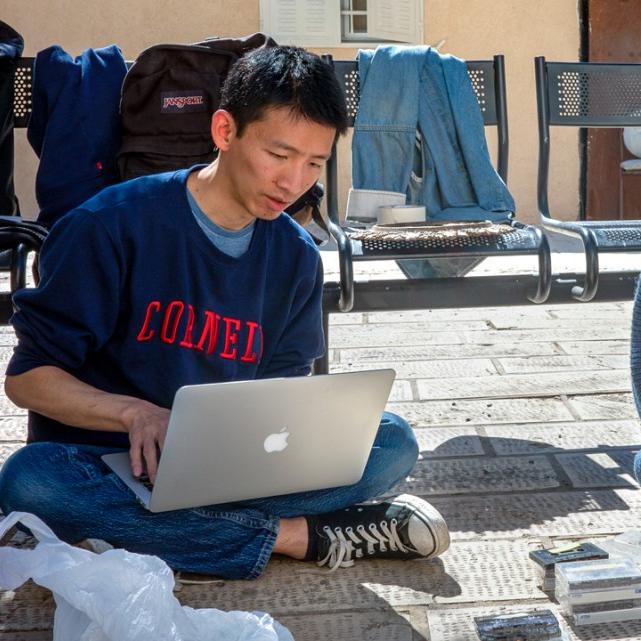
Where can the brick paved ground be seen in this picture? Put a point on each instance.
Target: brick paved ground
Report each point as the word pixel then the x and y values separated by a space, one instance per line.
pixel 527 431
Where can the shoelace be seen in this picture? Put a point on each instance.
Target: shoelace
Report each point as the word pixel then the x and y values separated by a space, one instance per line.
pixel 342 548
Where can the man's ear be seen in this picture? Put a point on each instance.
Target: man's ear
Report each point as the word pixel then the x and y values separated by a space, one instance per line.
pixel 223 129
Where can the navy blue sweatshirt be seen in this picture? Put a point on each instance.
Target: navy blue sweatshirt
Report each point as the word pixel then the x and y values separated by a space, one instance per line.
pixel 134 299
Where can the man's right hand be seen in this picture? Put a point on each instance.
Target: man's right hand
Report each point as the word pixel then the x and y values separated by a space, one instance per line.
pixel 147 427
pixel 55 393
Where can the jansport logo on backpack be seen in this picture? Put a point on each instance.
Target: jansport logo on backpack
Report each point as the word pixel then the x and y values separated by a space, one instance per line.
pixel 167 100
pixel 182 102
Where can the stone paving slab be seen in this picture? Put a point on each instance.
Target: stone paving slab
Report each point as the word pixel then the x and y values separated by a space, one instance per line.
pixel 595 347
pixel 524 385
pixel 454 324
pixel 603 406
pixel 451 441
pixel 7 449
pixel 383 624
pixel 386 624
pixel 433 352
pixel 7 408
pixel 13 428
pixel 484 412
pixel 401 391
pixel 483 475
pixel 288 587
pixel 563 363
pixel 5 354
pixel 489 313
pixel 376 336
pixel 468 572
pixel 34 635
pixel 586 512
pixel 571 332
pixel 26 609
pixel 593 311
pixel 426 369
pixel 532 439
pixel 602 469
pixel 347 319
pixel 613 319
pixel 489 571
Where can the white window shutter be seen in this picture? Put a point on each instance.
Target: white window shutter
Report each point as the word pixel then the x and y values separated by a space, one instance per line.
pixel 396 20
pixel 304 23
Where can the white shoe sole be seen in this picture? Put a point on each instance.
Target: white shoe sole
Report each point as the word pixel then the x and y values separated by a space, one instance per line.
pixel 433 520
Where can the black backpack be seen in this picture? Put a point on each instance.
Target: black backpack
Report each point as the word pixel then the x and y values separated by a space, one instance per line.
pixel 168 97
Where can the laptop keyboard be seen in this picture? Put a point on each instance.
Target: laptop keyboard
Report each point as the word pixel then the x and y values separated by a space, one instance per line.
pixel 144 479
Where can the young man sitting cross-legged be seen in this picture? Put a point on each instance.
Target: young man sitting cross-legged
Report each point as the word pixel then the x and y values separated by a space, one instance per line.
pixel 131 283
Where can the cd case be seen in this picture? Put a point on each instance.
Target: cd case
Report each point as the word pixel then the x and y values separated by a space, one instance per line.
pixel 582 582
pixel 576 552
pixel 536 625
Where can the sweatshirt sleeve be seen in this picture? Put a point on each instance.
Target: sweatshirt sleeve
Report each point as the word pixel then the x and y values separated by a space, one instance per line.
pixel 302 341
pixel 74 309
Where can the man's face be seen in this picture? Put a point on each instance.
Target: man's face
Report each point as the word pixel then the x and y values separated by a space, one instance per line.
pixel 275 161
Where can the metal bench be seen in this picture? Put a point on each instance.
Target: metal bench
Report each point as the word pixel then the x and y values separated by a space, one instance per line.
pixel 488 81
pixel 586 94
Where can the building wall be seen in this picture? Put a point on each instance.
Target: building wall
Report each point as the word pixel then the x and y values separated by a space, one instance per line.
pixel 472 29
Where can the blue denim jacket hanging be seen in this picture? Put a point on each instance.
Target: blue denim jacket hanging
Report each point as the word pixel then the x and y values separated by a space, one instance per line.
pixel 419 139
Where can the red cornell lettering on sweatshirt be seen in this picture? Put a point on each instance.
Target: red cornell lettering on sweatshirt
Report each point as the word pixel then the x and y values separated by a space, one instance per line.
pixel 206 331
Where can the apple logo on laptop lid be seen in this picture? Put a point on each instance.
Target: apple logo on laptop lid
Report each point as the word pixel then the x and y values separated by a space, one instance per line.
pixel 276 442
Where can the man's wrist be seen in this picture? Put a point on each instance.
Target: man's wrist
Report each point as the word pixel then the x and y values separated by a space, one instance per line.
pixel 131 410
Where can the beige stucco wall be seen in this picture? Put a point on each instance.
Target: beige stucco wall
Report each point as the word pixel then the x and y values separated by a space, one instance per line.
pixel 472 29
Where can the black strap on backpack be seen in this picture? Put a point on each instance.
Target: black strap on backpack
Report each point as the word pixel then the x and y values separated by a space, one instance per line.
pixel 168 97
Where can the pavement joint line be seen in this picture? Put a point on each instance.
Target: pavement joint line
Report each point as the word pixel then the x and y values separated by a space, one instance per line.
pixel 588 422
pixel 495 360
pixel 570 407
pixel 541 395
pixel 521 492
pixel 465 605
pixel 486 440
pixel 486 446
pixel 563 477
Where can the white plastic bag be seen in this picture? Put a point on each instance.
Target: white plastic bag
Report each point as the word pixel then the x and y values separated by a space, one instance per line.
pixel 118 595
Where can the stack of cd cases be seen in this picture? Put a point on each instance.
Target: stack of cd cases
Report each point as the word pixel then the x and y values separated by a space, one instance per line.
pixel 546 560
pixel 536 625
pixel 599 591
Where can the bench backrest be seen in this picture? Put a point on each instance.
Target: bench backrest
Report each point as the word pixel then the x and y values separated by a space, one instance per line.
pixel 487 76
pixel 582 94
pixel 588 94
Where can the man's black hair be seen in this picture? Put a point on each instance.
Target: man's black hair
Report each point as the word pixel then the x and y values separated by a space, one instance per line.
pixel 284 77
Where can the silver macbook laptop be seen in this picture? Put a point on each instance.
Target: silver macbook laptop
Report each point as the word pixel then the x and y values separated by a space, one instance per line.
pixel 250 439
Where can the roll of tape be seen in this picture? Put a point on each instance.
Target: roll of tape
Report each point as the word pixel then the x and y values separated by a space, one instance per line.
pixel 401 214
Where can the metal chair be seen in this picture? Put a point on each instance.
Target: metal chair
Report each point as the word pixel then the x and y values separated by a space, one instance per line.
pixel 488 81
pixel 18 236
pixel 586 94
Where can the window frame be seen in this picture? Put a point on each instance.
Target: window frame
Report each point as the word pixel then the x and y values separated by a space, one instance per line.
pixel 267 8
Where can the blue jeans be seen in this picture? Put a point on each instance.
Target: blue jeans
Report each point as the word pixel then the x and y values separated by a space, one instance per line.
pixel 78 496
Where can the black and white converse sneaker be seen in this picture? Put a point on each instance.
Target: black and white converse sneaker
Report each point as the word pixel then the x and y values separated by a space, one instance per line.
pixel 406 527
